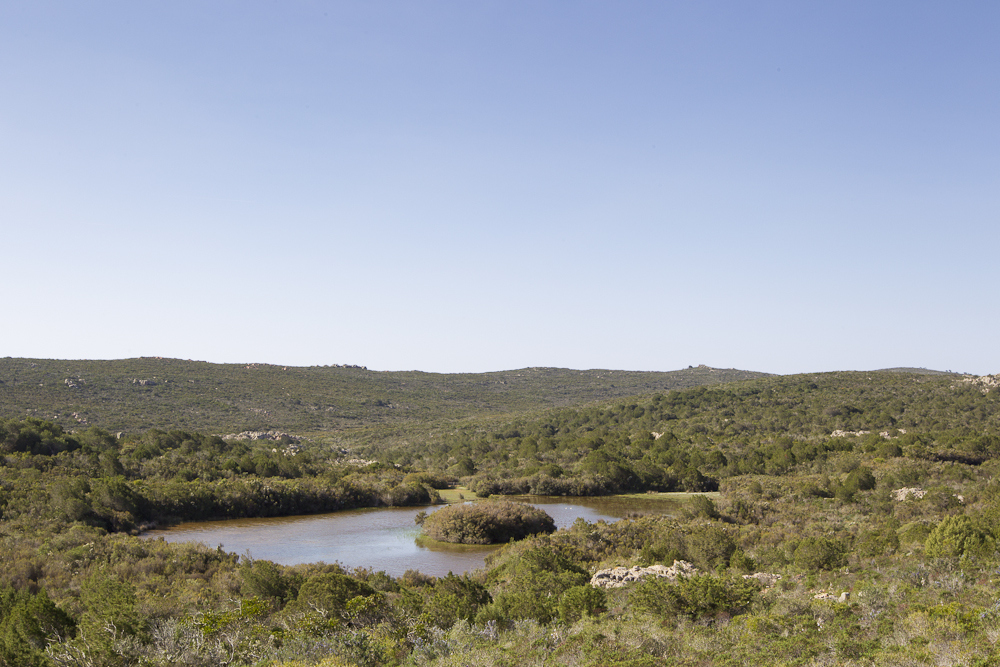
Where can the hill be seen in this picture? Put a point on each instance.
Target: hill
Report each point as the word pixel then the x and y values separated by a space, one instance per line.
pixel 671 441
pixel 138 394
pixel 855 523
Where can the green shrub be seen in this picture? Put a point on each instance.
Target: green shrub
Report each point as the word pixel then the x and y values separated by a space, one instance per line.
pixel 27 624
pixel 581 601
pixel 454 598
pixel 431 479
pixel 530 579
pixel 740 562
pixel 880 541
pixel 330 591
pixel 490 522
pixel 700 596
pixel 915 531
pixel 820 553
pixel 264 579
pixel 702 506
pixel 955 536
pixel 710 546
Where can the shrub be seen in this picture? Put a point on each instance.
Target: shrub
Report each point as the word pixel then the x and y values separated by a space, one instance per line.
pixel 530 579
pixel 455 598
pixel 263 579
pixel 820 553
pixel 954 536
pixel 27 624
pixel 581 601
pixel 431 479
pixel 702 506
pixel 330 591
pixel 709 546
pixel 879 541
pixel 699 596
pixel 490 522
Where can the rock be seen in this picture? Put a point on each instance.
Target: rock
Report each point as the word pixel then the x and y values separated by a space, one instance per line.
pixel 764 579
pixel 616 577
pixel 823 595
pixel 984 382
pixel 907 491
pixel 262 435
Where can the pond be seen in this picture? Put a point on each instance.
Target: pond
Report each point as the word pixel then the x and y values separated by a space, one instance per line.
pixel 385 538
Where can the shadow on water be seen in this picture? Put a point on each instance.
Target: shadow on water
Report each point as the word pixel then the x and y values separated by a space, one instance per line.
pixel 386 538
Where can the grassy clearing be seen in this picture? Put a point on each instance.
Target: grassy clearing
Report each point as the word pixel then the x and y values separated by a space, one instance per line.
pixel 459 494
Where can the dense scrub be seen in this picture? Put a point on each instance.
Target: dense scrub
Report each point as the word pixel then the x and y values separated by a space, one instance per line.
pixel 692 440
pixel 907 523
pixel 47 474
pixel 135 395
pixel 488 522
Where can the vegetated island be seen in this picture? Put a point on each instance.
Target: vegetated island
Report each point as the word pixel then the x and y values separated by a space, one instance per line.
pixel 488 522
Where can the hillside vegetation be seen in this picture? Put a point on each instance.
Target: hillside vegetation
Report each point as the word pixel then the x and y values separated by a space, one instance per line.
pixel 139 394
pixel 689 440
pixel 857 523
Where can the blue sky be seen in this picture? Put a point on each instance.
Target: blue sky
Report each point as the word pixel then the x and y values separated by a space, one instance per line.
pixel 464 187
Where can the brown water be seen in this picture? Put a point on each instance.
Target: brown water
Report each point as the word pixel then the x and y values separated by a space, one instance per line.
pixel 383 538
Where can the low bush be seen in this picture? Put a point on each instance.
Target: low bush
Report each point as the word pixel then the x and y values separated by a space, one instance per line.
pixel 955 536
pixel 490 522
pixel 820 553
pixel 700 596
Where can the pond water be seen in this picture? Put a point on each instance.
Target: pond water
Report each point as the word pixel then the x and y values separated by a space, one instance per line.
pixel 384 538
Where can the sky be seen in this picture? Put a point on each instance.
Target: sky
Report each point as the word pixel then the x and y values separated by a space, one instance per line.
pixel 784 187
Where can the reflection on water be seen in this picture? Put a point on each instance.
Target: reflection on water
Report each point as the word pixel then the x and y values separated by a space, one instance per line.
pixel 380 538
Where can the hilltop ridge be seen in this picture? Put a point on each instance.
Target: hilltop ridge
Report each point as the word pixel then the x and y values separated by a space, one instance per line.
pixel 154 392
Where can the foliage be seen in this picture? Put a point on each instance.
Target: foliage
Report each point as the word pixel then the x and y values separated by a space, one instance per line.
pixel 136 395
pixel 330 592
pixel 795 499
pixel 699 596
pixel 488 522
pixel 820 553
pixel 581 601
pixel 955 536
pixel 28 622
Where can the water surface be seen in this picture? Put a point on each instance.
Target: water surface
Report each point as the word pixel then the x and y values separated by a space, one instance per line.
pixel 381 538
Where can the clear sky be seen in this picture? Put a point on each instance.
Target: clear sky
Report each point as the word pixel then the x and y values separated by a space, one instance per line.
pixel 473 186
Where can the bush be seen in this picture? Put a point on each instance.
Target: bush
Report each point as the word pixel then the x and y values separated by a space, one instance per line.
pixel 703 507
pixel 710 546
pixel 953 537
pixel 880 541
pixel 490 522
pixel 581 601
pixel 820 553
pixel 531 579
pixel 330 592
pixel 455 598
pixel 263 579
pixel 700 596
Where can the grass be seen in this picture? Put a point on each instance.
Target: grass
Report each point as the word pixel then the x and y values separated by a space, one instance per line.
pixel 459 494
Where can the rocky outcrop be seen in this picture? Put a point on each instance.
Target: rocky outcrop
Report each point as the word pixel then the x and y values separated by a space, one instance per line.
pixel 765 579
pixel 262 435
pixel 908 492
pixel 823 595
pixel 983 382
pixel 885 434
pixel 616 577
